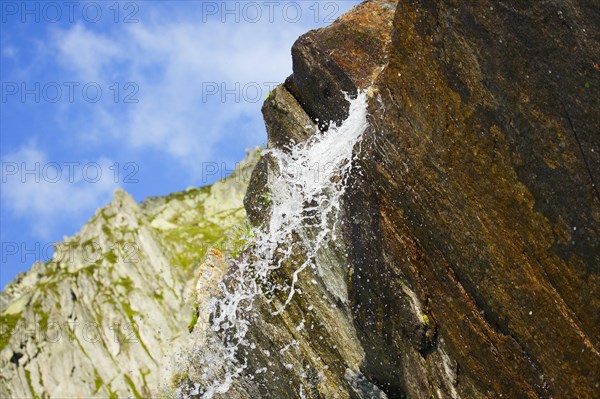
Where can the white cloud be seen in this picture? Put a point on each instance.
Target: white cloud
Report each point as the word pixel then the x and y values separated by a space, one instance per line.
pixel 8 51
pixel 86 52
pixel 46 193
pixel 171 62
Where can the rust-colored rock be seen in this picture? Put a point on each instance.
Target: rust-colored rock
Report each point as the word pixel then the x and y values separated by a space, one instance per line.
pixel 479 178
pixel 474 225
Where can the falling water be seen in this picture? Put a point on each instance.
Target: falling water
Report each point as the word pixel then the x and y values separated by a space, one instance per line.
pixel 305 197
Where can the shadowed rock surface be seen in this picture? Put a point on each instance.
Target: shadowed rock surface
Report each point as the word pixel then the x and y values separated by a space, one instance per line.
pixel 474 225
pixel 340 59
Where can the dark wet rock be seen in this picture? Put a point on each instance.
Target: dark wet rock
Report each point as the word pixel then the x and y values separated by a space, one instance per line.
pixel 286 121
pixel 256 200
pixel 319 84
pixel 340 59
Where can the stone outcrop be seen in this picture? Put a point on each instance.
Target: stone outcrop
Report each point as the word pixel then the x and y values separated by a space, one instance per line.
pixel 339 60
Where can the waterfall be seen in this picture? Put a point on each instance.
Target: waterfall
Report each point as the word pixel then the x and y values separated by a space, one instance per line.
pixel 305 204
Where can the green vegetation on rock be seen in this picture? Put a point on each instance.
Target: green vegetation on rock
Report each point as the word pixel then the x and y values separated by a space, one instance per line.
pixel 8 323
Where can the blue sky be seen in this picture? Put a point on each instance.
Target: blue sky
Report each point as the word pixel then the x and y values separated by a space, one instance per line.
pixel 143 95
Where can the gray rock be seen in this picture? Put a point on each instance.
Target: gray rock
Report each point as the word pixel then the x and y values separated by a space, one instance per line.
pixel 104 317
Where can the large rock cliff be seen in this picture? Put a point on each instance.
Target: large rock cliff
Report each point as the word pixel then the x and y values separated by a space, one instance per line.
pixel 471 222
pixel 480 172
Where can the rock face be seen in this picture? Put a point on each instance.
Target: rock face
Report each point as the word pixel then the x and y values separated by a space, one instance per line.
pixel 340 59
pixel 473 225
pixel 480 172
pixel 103 317
pixel 93 321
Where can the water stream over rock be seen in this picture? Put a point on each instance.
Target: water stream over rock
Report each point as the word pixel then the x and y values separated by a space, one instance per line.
pixel 305 197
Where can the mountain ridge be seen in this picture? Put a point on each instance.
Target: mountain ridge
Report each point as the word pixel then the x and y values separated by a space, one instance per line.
pixel 116 296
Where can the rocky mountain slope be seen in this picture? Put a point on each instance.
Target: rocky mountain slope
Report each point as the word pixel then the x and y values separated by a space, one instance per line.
pixel 103 317
pixel 424 223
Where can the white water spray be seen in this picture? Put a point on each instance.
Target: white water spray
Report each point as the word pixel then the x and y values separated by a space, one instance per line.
pixel 305 199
